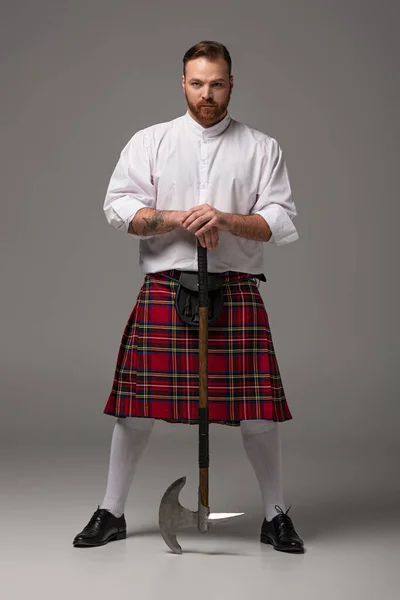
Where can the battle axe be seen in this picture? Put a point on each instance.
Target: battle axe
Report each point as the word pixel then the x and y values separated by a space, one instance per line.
pixel 172 514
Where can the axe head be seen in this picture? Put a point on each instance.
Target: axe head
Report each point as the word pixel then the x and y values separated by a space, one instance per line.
pixel 173 515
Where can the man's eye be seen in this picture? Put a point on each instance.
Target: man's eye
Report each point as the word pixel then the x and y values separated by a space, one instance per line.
pixel 196 83
pixel 218 84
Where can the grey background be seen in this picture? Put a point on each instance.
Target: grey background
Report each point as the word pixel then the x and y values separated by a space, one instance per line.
pixel 77 80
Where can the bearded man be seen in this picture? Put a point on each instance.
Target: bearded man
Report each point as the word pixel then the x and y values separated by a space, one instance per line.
pixel 202 176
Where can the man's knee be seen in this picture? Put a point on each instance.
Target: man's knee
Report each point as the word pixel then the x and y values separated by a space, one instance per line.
pixel 137 423
pixel 256 426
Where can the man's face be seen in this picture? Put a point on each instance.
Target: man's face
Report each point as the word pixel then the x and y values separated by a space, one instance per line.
pixel 207 88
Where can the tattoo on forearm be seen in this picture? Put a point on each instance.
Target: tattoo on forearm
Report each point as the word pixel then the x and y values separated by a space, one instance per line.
pixel 153 223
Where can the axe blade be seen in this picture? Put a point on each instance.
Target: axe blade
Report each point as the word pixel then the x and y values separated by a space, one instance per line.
pixel 173 515
pixel 219 517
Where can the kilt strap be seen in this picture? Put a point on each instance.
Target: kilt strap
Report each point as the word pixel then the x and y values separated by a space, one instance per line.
pixel 187 295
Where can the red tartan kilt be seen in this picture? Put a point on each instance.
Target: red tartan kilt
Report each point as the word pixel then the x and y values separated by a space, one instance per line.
pixel 157 369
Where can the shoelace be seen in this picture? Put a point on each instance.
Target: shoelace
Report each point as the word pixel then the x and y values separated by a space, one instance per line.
pixel 283 517
pixel 95 516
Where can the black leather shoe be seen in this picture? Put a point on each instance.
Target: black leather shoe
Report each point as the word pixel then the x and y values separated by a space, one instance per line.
pixel 102 528
pixel 281 534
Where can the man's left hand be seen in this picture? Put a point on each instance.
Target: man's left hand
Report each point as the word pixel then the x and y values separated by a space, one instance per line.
pixel 204 217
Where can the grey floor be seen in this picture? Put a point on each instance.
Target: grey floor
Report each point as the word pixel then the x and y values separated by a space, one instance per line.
pixel 345 505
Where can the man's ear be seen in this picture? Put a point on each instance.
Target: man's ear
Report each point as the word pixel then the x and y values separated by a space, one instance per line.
pixel 183 81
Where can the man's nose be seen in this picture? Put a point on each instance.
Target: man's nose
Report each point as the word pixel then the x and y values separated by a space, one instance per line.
pixel 207 94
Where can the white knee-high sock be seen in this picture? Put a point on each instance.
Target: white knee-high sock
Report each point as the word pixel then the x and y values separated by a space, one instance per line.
pixel 129 440
pixel 262 442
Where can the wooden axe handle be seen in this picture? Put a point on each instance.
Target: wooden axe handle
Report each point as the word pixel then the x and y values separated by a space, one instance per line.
pixel 204 459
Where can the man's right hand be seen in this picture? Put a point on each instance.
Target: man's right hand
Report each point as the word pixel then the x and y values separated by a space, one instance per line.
pixel 209 239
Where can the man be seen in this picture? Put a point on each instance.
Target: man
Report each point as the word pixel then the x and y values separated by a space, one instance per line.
pixel 202 176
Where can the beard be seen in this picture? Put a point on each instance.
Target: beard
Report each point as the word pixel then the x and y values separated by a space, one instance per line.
pixel 210 114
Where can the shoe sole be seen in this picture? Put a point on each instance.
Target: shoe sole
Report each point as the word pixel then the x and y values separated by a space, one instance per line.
pixel 121 535
pixel 266 540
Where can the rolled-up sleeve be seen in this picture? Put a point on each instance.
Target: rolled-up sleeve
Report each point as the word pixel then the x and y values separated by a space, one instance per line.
pixel 275 202
pixel 130 187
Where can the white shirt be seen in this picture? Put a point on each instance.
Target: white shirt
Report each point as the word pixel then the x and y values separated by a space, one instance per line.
pixel 180 164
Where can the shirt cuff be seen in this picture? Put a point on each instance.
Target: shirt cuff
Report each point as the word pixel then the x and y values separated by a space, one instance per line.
pixel 281 225
pixel 120 213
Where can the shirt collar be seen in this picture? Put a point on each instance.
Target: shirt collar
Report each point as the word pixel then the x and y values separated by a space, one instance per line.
pixel 207 132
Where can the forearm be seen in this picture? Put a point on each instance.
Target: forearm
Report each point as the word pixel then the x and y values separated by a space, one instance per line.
pixel 251 227
pixel 148 221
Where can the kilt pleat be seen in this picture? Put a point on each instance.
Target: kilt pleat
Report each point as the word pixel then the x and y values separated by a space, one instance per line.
pixel 157 370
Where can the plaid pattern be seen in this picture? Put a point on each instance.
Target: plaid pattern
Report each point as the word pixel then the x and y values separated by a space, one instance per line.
pixel 157 367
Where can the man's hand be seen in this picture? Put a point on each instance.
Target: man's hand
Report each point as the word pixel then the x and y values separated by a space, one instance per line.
pixel 205 222
pixel 204 217
pixel 210 239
